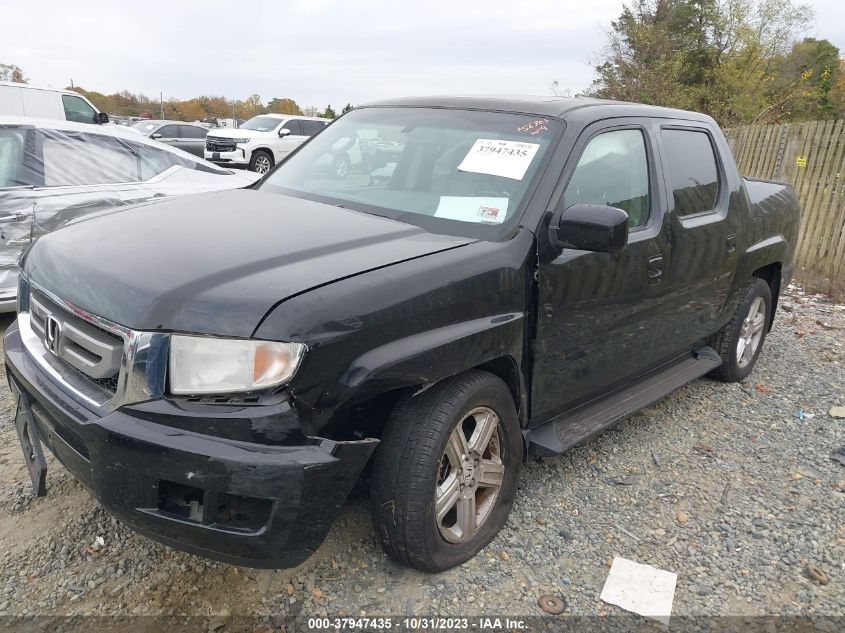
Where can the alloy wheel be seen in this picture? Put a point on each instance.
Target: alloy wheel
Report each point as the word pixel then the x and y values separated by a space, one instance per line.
pixel 262 164
pixel 470 476
pixel 751 332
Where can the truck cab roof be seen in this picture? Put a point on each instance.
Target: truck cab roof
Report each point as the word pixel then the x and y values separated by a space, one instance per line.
pixel 549 106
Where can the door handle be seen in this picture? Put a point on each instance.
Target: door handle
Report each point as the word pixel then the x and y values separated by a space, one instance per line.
pixel 730 243
pixel 654 270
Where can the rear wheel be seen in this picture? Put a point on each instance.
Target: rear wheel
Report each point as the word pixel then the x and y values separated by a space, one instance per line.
pixel 261 161
pixel 445 472
pixel 741 340
pixel 340 167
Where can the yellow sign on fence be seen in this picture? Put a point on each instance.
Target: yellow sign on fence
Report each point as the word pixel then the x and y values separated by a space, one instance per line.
pixel 801 161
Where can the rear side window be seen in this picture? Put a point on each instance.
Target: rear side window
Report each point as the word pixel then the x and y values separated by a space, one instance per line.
pixel 192 131
pixel 613 171
pixel 77 109
pixel 692 171
pixel 310 128
pixel 12 144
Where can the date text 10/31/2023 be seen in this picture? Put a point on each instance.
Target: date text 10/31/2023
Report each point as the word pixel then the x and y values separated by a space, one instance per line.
pixel 416 623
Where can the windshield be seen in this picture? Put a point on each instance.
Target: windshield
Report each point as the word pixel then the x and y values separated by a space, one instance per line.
pixel 145 127
pixel 261 124
pixel 455 172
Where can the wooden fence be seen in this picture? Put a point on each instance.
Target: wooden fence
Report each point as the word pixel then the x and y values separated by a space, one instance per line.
pixel 810 156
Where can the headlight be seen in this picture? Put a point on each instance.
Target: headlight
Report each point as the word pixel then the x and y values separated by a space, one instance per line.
pixel 200 364
pixel 241 140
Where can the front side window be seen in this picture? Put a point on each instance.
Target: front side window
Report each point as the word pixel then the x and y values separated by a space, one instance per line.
pixel 77 109
pixel 692 171
pixel 449 171
pixel 261 124
pixel 168 131
pixel 613 171
pixel 293 127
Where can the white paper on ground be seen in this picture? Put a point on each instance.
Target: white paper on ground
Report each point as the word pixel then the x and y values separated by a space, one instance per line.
pixel 472 209
pixel 509 159
pixel 639 588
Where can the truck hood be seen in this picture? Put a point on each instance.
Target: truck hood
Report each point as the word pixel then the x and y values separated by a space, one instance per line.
pixel 215 263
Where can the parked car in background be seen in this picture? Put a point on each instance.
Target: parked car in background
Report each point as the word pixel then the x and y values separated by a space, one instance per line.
pixel 189 137
pixel 18 99
pixel 262 141
pixel 52 172
pixel 533 271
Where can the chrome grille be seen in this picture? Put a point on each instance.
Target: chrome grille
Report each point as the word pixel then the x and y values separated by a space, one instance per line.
pixel 90 350
pixel 219 144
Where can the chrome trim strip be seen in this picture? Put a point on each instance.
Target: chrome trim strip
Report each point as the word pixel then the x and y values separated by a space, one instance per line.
pixel 143 366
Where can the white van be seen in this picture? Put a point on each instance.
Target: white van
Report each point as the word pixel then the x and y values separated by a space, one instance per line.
pixel 47 103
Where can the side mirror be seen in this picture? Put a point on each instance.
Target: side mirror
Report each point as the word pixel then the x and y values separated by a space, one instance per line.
pixel 155 135
pixel 102 117
pixel 283 132
pixel 589 227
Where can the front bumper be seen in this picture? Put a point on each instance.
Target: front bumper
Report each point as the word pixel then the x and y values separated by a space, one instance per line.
pixel 237 157
pixel 259 505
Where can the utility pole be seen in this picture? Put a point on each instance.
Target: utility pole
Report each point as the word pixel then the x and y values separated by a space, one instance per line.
pixel 71 83
pixel 161 101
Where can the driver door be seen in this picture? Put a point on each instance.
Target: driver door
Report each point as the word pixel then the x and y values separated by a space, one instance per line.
pixel 600 314
pixel 286 144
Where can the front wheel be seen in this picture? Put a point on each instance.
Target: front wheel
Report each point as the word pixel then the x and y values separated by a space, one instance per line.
pixel 261 161
pixel 741 340
pixel 445 472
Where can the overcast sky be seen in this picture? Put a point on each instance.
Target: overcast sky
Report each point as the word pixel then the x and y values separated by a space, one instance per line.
pixel 319 51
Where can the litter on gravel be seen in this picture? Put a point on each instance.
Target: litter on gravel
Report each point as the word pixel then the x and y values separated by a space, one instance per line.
pixel 641 589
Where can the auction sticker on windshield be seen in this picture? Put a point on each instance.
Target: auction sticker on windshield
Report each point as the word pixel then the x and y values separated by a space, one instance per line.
pixel 509 159
pixel 484 210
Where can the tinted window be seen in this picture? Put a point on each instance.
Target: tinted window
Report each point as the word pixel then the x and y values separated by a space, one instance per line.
pixel 11 157
pixel 692 171
pixel 77 109
pixel 613 171
pixel 168 131
pixel 310 128
pixel 192 131
pixel 71 158
pixel 293 126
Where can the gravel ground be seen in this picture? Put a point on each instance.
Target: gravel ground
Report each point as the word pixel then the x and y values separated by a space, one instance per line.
pixel 723 484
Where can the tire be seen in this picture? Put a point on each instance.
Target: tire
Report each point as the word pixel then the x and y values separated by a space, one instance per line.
pixel 413 464
pixel 261 161
pixel 739 343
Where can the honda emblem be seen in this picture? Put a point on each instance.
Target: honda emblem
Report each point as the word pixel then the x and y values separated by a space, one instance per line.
pixel 52 334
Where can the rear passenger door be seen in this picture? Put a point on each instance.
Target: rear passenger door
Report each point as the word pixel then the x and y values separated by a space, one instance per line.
pixel 600 315
pixel 703 231
pixel 192 139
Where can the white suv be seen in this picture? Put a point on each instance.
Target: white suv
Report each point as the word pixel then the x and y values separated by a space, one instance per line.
pixel 262 141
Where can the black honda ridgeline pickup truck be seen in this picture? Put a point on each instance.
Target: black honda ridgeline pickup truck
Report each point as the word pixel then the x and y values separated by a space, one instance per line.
pixel 500 278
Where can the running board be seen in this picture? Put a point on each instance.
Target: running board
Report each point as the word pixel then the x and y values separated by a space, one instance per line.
pixel 575 426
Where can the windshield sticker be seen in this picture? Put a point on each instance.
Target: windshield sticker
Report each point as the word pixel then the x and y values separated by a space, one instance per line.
pixel 509 159
pixel 535 127
pixel 472 209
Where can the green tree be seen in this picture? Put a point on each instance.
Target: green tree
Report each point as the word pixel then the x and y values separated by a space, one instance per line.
pixel 328 113
pixel 346 108
pixel 11 72
pixel 717 56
